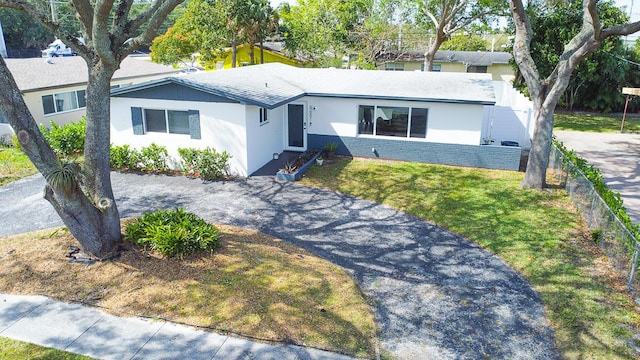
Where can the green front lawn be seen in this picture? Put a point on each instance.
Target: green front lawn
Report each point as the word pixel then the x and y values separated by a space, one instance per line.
pixel 14 165
pixel 539 234
pixel 14 349
pixel 596 122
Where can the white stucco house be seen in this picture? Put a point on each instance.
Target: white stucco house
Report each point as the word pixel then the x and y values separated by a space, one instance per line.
pixel 254 112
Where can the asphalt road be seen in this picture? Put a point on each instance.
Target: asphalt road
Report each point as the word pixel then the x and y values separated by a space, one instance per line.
pixel 618 158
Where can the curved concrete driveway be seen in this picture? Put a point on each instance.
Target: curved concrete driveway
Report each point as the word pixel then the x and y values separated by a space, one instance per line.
pixel 437 295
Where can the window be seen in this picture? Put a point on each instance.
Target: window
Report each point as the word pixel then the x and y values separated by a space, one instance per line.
pixel 394 66
pixel 392 121
pixel 62 102
pixel 166 121
pixel 476 69
pixel 3 119
pixel 263 116
pixel 436 67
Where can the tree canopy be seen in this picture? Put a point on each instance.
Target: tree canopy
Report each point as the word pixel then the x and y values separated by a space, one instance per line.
pixel 209 26
pixel 322 31
pixel 596 82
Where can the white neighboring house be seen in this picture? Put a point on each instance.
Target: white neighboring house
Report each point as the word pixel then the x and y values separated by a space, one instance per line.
pixel 256 111
pixel 54 89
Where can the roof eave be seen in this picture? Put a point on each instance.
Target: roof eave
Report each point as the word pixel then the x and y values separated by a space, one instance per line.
pixel 406 98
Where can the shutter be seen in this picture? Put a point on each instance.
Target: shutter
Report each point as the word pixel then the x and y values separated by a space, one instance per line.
pixel 136 121
pixel 194 124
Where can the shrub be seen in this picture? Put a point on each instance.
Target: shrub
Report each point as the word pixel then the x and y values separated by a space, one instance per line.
pixel 173 232
pixel 66 140
pixel 123 157
pixel 207 164
pixel 153 158
pixel 611 198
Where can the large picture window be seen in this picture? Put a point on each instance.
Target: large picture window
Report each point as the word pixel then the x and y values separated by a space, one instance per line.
pixel 166 121
pixel 66 101
pixel 394 121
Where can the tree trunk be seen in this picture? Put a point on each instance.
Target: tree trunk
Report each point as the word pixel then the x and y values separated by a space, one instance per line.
pixel 261 50
pixel 535 176
pixel 430 54
pixel 251 54
pixel 234 52
pixel 95 227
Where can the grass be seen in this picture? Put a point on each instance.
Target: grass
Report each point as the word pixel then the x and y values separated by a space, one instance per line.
pixel 14 165
pixel 253 285
pixel 605 123
pixel 13 349
pixel 538 234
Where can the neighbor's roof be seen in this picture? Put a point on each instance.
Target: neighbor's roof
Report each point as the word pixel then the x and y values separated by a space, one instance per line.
pixel 36 74
pixel 477 58
pixel 274 84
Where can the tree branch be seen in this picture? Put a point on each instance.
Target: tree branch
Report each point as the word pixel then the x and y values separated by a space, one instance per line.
pixel 156 15
pixel 522 47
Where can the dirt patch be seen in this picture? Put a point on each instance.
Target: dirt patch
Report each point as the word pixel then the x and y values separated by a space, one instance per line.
pixel 254 285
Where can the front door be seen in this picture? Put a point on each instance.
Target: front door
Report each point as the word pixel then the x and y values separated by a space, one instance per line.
pixel 296 136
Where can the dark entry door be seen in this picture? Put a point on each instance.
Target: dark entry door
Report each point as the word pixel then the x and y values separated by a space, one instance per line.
pixel 296 128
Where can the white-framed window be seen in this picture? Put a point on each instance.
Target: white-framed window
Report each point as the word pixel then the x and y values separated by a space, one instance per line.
pixel 435 67
pixel 396 121
pixel 264 116
pixel 166 121
pixel 394 66
pixel 66 101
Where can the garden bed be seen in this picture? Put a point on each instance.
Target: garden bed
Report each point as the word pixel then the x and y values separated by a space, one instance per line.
pixel 293 171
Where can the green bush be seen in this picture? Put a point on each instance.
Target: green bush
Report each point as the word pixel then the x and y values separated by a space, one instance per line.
pixel 207 164
pixel 154 158
pixel 611 198
pixel 123 157
pixel 150 158
pixel 66 140
pixel 173 232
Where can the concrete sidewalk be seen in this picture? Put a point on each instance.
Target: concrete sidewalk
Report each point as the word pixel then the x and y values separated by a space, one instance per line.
pixel 91 332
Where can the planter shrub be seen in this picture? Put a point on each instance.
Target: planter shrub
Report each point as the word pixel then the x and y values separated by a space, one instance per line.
pixel 67 140
pixel 173 232
pixel 207 164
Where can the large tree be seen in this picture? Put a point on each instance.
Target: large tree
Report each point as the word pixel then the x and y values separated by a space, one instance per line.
pixel 321 31
pixel 81 194
pixel 545 92
pixel 209 26
pixel 447 17
pixel 595 83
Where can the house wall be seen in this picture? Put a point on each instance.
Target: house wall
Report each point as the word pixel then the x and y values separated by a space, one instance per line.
pixel 242 56
pixel 5 130
pixel 263 140
pixel 446 123
pixel 222 127
pixel 491 157
pixel 511 119
pixel 453 134
pixel 33 99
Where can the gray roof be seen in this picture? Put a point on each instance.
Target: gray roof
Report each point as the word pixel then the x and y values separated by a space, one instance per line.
pixel 274 84
pixel 36 74
pixel 477 58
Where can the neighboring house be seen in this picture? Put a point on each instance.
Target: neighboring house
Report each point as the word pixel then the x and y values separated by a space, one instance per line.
pixel 54 90
pixel 257 111
pixel 494 63
pixel 243 58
